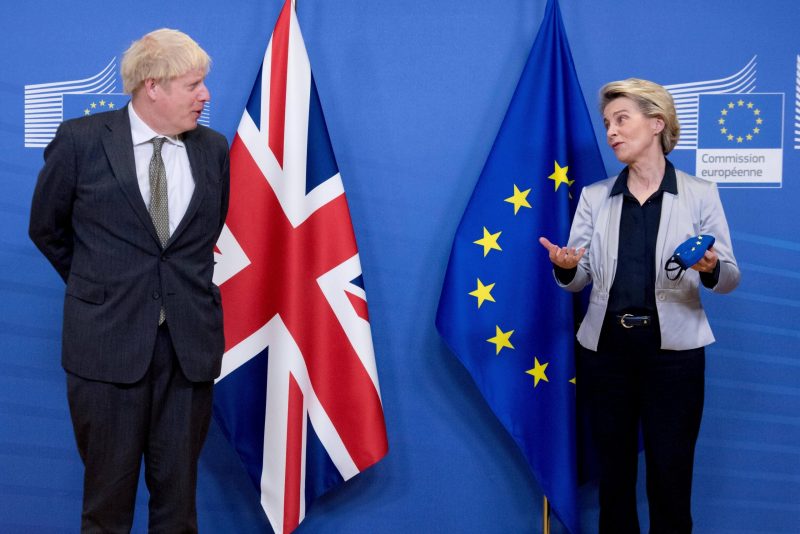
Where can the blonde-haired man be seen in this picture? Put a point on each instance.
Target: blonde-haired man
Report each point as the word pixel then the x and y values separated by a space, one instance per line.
pixel 127 208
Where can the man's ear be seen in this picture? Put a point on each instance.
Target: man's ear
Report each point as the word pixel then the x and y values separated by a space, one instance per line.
pixel 150 87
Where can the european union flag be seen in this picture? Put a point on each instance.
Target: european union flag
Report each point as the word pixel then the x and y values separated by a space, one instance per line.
pixel 500 310
pixel 740 121
pixel 82 104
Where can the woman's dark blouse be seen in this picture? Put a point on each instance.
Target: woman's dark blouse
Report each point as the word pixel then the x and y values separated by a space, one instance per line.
pixel 635 279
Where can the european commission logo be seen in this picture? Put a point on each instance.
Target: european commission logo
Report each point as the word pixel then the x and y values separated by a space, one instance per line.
pixel 740 138
pixel 85 104
pixel 736 133
pixel 47 105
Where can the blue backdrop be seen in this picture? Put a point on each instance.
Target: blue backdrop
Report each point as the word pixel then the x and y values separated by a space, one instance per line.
pixel 414 93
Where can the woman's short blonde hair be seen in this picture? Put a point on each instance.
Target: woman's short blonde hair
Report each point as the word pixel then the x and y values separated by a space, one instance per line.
pixel 162 55
pixel 653 100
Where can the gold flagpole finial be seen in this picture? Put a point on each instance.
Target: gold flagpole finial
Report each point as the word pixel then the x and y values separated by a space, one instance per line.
pixel 545 516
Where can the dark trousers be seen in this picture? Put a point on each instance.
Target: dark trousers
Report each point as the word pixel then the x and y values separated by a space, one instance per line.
pixel 162 418
pixel 630 381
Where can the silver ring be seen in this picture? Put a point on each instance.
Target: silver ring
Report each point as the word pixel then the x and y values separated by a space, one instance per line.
pixel 622 320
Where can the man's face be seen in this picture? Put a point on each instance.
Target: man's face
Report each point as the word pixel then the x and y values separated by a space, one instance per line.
pixel 179 102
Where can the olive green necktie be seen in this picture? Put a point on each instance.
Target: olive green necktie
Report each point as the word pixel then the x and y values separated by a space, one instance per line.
pixel 159 205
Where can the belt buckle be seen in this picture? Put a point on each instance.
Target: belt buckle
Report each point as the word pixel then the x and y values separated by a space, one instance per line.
pixel 622 320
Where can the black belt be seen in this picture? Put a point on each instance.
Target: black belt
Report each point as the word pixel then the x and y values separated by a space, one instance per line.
pixel 628 320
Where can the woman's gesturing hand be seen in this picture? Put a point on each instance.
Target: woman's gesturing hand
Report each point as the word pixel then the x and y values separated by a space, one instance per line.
pixel 564 257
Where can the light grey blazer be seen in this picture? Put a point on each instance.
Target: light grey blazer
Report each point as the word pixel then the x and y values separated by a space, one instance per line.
pixel 696 209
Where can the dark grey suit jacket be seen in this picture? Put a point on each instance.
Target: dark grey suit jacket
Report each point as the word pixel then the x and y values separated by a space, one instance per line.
pixel 90 221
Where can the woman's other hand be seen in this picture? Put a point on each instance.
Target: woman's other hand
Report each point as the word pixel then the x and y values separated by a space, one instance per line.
pixel 707 263
pixel 564 257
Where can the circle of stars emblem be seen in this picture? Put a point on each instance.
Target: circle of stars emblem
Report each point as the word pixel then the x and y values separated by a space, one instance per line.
pixel 734 110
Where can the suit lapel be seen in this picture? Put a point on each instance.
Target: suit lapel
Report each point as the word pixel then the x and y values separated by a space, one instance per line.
pixel 118 145
pixel 668 205
pixel 198 165
pixel 612 239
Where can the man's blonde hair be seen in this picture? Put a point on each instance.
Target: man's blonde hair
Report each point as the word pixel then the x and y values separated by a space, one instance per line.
pixel 162 55
pixel 653 101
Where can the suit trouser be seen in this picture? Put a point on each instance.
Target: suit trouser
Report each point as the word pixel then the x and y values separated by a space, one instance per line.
pixel 630 381
pixel 164 418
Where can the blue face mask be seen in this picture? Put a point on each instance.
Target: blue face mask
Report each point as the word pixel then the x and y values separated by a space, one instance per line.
pixel 687 254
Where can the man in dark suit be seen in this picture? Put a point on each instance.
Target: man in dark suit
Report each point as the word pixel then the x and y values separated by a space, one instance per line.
pixel 127 208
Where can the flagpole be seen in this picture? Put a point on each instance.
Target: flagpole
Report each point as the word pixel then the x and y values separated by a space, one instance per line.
pixel 545 516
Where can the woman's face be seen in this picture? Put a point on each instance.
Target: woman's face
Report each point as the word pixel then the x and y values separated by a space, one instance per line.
pixel 632 136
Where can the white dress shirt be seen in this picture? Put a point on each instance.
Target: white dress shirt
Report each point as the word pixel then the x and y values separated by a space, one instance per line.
pixel 180 183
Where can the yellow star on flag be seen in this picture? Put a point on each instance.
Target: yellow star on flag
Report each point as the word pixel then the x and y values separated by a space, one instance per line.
pixel 483 293
pixel 501 339
pixel 538 372
pixel 488 241
pixel 520 199
pixel 559 176
pixel 573 381
pixel 111 105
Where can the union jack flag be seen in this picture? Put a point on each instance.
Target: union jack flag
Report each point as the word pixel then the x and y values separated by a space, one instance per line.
pixel 298 346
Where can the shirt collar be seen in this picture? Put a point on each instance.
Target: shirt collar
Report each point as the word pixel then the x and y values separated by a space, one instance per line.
pixel 142 133
pixel 669 183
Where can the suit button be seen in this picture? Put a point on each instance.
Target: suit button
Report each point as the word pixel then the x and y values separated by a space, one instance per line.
pixel 156 295
pixel 164 258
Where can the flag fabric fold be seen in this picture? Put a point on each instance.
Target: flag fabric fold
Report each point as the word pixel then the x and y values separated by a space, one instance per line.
pixel 298 395
pixel 500 310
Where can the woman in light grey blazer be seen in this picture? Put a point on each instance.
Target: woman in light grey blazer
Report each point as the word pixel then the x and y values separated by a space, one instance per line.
pixel 643 336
